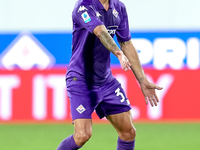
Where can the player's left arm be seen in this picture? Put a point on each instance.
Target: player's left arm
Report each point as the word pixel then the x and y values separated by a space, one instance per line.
pixel 148 88
pixel 105 38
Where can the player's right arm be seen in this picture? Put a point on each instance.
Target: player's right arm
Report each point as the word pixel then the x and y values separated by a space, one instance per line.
pixel 84 15
pixel 105 38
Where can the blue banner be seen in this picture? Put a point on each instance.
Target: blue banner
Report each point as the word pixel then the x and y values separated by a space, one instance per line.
pixel 160 50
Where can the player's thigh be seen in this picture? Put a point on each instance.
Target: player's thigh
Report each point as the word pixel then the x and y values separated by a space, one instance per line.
pixel 82 100
pixel 123 124
pixel 114 100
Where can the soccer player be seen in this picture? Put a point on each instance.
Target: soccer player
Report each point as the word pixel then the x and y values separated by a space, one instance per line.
pixel 90 83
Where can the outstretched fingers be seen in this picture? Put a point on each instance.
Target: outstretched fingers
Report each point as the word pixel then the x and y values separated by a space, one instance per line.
pixel 152 100
pixel 156 97
pixel 146 100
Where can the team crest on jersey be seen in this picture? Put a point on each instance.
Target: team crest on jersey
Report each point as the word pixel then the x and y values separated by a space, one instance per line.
pixel 80 109
pixel 82 8
pixel 115 13
pixel 86 17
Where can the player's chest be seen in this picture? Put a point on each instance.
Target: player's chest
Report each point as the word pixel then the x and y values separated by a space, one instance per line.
pixel 110 17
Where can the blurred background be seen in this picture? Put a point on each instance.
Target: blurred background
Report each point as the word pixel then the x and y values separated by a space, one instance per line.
pixel 35 49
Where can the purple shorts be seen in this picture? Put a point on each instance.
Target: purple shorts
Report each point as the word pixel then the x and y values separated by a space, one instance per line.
pixel 106 99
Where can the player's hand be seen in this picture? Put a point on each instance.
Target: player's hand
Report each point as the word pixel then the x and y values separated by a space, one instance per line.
pixel 125 64
pixel 148 90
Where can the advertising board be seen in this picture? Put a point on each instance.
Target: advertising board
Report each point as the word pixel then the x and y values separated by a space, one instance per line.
pixel 33 67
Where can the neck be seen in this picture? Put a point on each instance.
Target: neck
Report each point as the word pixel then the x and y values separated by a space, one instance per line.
pixel 105 4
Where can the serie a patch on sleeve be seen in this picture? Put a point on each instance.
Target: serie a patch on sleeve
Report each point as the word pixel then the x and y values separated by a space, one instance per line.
pixel 86 17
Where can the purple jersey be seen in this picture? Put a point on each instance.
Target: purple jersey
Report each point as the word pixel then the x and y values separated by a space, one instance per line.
pixel 90 60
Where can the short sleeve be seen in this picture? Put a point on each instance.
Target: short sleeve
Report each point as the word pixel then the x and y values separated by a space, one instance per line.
pixel 85 16
pixel 123 33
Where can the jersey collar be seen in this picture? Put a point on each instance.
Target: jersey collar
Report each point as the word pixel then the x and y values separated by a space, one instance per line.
pixel 111 4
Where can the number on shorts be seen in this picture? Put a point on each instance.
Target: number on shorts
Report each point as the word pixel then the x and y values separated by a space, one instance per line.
pixel 118 93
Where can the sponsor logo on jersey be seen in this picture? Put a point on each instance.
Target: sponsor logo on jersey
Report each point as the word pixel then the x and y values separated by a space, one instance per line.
pixel 86 17
pixel 115 13
pixel 98 14
pixel 82 8
pixel 112 29
pixel 80 109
